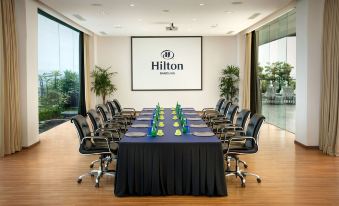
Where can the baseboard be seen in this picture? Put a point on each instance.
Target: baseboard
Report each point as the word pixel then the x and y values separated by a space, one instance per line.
pixel 305 146
pixel 32 145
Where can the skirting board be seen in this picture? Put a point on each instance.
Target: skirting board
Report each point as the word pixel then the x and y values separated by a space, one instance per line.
pixel 305 146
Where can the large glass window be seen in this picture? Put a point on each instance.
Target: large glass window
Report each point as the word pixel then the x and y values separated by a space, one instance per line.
pixel 58 67
pixel 277 70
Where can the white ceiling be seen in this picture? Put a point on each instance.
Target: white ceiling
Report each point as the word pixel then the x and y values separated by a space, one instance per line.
pixel 146 17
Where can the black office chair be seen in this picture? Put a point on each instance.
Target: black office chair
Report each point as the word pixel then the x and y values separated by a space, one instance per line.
pixel 129 112
pixel 108 118
pixel 95 145
pixel 222 112
pixel 227 119
pixel 217 108
pixel 242 145
pixel 123 117
pixel 240 123
pixel 112 129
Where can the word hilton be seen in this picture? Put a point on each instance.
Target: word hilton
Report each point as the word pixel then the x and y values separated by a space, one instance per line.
pixel 163 65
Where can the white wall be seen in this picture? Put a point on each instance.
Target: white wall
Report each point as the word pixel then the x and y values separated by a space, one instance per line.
pixel 217 53
pixel 308 73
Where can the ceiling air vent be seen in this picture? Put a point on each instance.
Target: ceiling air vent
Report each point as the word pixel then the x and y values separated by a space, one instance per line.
pixel 171 27
pixel 255 15
pixel 79 17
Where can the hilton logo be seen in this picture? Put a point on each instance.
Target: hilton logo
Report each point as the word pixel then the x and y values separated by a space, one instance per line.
pixel 164 65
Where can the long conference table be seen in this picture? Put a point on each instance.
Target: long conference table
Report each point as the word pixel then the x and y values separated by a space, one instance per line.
pixel 170 164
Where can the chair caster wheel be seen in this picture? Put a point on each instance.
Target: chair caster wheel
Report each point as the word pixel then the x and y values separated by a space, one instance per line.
pixel 245 166
pixel 243 184
pixel 258 180
pixel 96 185
pixel 92 175
pixel 79 181
pixel 91 166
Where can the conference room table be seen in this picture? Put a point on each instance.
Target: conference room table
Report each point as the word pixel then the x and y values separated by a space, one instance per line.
pixel 170 164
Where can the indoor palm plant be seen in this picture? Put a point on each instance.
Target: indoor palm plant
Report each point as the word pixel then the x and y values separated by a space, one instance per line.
pixel 102 84
pixel 229 83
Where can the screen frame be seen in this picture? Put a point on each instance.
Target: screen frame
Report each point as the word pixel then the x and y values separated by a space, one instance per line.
pixel 201 63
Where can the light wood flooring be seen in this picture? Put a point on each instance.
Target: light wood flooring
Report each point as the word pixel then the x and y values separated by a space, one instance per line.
pixel 46 174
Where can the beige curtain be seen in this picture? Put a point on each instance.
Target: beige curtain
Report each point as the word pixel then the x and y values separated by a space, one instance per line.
pixel 245 103
pixel 9 72
pixel 87 68
pixel 2 140
pixel 329 119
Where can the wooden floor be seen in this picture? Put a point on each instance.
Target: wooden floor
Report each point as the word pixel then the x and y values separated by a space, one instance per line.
pixel 46 175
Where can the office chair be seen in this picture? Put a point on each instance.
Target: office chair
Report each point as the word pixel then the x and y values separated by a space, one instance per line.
pixel 222 112
pixel 227 119
pixel 91 144
pixel 242 145
pixel 129 112
pixel 217 108
pixel 123 117
pixel 108 118
pixel 240 123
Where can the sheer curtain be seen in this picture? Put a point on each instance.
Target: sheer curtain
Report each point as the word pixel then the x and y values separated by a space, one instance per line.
pixel 245 103
pixel 2 140
pixel 11 140
pixel 329 118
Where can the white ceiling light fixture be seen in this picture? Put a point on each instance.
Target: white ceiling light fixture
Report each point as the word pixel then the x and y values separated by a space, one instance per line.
pixel 201 4
pixel 96 4
pixel 131 5
pixel 230 32
pixel 166 10
pixel 237 2
pixel 228 12
pixel 171 27
pixel 118 26
pixel 253 16
pixel 79 17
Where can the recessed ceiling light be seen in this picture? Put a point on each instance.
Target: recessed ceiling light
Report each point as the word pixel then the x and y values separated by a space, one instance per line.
pixel 79 17
pixel 132 5
pixel 118 26
pixel 228 12
pixel 214 26
pixel 194 19
pixel 253 16
pixel 139 19
pixel 229 32
pixel 236 2
pixel 165 10
pixel 96 4
pixel 201 4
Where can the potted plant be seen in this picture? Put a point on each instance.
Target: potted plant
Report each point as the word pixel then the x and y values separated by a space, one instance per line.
pixel 228 83
pixel 102 84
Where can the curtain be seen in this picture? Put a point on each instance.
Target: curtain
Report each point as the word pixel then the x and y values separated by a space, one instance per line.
pixel 329 117
pixel 255 94
pixel 82 101
pixel 2 143
pixel 87 68
pixel 11 141
pixel 245 103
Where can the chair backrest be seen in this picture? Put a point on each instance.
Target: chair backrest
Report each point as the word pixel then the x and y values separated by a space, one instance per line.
pixel 232 110
pixel 95 119
pixel 242 118
pixel 82 126
pixel 106 116
pixel 227 106
pixel 254 125
pixel 219 104
pixel 112 108
pixel 118 105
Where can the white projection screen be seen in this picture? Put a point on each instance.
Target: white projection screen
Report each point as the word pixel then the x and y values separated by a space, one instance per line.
pixel 166 63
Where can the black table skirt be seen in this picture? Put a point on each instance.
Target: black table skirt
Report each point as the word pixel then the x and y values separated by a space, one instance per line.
pixel 170 169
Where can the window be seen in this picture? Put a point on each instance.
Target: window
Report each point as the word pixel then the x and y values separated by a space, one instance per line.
pixel 277 70
pixel 59 63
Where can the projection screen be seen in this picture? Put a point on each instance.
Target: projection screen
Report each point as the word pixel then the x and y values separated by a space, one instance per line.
pixel 166 63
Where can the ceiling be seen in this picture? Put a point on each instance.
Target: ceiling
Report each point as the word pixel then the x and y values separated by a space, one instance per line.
pixel 150 17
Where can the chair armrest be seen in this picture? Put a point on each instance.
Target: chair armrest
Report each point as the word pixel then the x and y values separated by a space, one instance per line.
pixel 231 127
pixel 238 138
pixel 128 108
pixel 205 109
